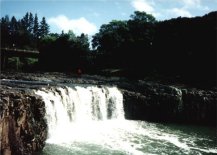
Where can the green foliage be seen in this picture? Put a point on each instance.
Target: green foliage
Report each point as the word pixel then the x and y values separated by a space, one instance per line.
pixel 14 63
pixel 23 33
pixel 110 36
pixel 31 23
pixel 177 47
pixel 48 39
pixel 36 32
pixel 66 48
pixel 31 61
pixel 182 47
pixel 114 34
pixel 125 41
pixel 71 34
pixel 44 28
pixel 143 17
pixel 5 22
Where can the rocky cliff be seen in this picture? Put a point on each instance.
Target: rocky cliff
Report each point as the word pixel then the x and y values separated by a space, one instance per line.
pixel 163 103
pixel 23 129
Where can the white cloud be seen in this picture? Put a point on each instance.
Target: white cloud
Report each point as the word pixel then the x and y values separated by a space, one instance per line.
pixel 179 12
pixel 78 26
pixel 165 9
pixel 143 5
pixel 146 6
pixel 187 8
pixel 191 3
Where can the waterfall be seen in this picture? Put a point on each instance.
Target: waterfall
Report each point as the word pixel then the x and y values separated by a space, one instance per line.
pixel 90 120
pixel 66 106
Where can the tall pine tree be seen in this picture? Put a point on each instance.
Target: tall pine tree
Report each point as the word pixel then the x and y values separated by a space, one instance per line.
pixel 44 28
pixel 31 23
pixel 5 25
pixel 36 32
pixel 25 22
pixel 13 31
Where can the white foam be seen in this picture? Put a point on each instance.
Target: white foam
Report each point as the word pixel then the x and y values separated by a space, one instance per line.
pixel 93 115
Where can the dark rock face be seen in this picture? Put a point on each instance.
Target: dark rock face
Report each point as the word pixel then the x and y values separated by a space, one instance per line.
pixel 200 106
pixel 161 103
pixel 23 129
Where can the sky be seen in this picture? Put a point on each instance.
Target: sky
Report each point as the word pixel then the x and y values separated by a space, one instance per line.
pixel 86 16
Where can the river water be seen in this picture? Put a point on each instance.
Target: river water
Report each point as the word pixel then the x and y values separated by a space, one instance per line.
pixel 90 121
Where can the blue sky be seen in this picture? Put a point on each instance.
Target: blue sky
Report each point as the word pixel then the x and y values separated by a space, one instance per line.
pixel 88 15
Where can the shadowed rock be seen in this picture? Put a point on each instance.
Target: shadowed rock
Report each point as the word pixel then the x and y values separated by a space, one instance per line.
pixel 23 129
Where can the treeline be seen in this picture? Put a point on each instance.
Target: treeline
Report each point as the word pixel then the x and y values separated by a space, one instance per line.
pixel 58 52
pixel 64 52
pixel 187 48
pixel 24 33
pixel 183 49
pixel 126 44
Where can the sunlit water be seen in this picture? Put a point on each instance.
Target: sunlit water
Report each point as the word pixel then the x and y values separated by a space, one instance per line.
pixel 90 121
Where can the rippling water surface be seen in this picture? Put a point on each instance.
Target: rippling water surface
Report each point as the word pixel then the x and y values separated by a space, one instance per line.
pixel 131 137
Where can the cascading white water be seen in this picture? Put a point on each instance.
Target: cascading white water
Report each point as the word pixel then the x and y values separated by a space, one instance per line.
pixel 67 106
pixel 90 120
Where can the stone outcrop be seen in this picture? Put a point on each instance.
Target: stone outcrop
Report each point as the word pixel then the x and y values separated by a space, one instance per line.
pixel 163 103
pixel 23 129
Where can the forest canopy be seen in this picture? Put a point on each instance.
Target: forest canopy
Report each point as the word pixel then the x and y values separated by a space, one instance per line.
pixel 182 48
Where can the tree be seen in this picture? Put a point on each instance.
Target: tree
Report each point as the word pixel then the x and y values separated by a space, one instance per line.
pixel 143 17
pixel 141 27
pixel 109 42
pixel 13 31
pixel 25 22
pixel 44 28
pixel 71 34
pixel 13 25
pixel 110 36
pixel 36 32
pixel 186 48
pixel 31 23
pixel 5 26
pixel 142 30
pixel 67 48
pixel 83 42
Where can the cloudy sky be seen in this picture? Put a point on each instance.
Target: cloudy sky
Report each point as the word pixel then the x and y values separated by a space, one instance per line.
pixel 88 15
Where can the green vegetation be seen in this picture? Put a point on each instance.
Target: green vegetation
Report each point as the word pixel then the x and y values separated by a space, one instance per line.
pixel 183 49
pixel 15 63
pixel 24 33
pixel 74 52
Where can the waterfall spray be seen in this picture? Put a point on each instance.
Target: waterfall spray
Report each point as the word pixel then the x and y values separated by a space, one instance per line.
pixel 66 106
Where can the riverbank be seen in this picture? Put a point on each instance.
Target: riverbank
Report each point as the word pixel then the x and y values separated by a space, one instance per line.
pixel 23 127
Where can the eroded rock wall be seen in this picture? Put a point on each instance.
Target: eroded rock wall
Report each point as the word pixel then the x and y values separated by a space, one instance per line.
pixel 23 129
pixel 162 103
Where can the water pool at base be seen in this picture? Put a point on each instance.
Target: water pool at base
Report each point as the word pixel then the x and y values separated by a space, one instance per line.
pixel 132 138
pixel 90 121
